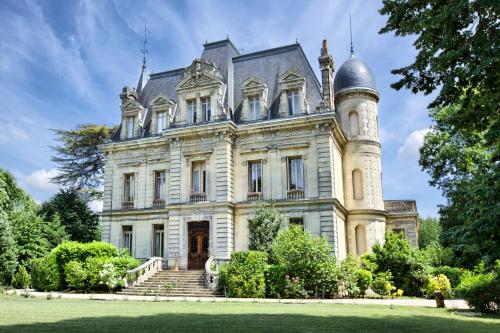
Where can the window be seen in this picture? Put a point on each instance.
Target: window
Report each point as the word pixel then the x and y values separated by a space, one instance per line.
pixel 128 188
pixel 295 174
pixel 293 102
pixel 360 232
pixel 161 121
pixel 254 103
pixel 159 185
pixel 158 239
pixel 255 177
pixel 206 108
pixel 357 184
pixel 130 127
pixel 354 123
pixel 127 238
pixel 296 221
pixel 191 106
pixel 198 177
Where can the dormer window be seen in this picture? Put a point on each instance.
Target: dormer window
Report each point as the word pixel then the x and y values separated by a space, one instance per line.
pixel 254 106
pixel 206 109
pixel 191 107
pixel 130 127
pixel 161 121
pixel 293 98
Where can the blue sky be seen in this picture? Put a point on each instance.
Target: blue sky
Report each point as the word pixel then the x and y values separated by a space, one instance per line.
pixel 63 63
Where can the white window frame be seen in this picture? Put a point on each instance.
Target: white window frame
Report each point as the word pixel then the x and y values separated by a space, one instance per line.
pixel 293 99
pixel 128 187
pixel 295 173
pixel 159 183
pixel 191 107
pixel 254 173
pixel 127 231
pixel 206 108
pixel 130 127
pixel 158 240
pixel 198 177
pixel 161 121
pixel 254 107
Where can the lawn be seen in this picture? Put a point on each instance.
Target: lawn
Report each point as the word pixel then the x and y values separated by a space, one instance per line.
pixel 19 314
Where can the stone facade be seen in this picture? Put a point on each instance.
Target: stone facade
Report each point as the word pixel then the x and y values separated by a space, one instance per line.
pixel 206 142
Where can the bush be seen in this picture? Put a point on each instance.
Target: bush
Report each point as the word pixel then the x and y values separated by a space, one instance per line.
pixel 454 274
pixel 275 281
pixel 21 279
pixel 481 291
pixel 382 284
pixel 108 276
pixel 264 226
pixel 123 263
pixel 45 274
pixel 438 283
pixel 75 275
pixel 364 280
pixel 369 262
pixel 244 275
pixel 348 268
pixel 436 255
pixel 309 258
pixel 294 288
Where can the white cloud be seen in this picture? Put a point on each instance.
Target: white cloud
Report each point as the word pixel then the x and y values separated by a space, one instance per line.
pixel 96 205
pixel 40 180
pixel 12 132
pixel 413 142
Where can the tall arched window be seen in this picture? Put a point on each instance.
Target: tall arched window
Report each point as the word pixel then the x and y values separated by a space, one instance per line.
pixel 360 231
pixel 357 184
pixel 353 124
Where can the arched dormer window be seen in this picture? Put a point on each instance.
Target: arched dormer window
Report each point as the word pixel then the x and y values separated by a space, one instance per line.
pixel 357 184
pixel 293 94
pixel 353 124
pixel 254 92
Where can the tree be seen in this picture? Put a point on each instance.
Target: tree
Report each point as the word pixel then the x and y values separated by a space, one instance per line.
pixel 458 45
pixel 79 221
pixel 81 163
pixel 264 226
pixel 8 248
pixel 54 231
pixel 429 232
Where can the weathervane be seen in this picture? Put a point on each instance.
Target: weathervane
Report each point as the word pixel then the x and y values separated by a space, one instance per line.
pixel 144 49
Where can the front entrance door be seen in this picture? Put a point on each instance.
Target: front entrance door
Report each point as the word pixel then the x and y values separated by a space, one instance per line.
pixel 197 245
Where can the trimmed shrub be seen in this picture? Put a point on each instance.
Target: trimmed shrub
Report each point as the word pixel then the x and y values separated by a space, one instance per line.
pixel 45 274
pixel 364 280
pixel 309 258
pixel 123 263
pixel 438 283
pixel 382 284
pixel 454 274
pixel 21 279
pixel 481 291
pixel 75 275
pixel 244 275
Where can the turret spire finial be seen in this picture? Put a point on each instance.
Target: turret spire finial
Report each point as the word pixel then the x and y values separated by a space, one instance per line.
pixel 144 49
pixel 350 32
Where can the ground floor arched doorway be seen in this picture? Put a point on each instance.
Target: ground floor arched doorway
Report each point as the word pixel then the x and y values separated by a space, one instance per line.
pixel 198 244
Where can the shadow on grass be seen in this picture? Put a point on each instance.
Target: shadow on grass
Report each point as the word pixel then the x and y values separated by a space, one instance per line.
pixel 188 322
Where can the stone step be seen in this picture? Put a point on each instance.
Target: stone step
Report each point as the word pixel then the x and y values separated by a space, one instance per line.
pixel 185 294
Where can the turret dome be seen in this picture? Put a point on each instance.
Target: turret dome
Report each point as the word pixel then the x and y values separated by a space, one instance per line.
pixel 354 73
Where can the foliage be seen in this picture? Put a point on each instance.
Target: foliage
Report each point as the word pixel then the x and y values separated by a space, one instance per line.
pixel 55 232
pixel 75 275
pixel 364 280
pixel 382 284
pixel 79 221
pixel 369 262
pixel 244 275
pixel 21 278
pixel 460 60
pixel 429 232
pixel 108 276
pixel 409 270
pixel 264 226
pixel 81 163
pixel 294 288
pixel 275 281
pixel 481 291
pixel 348 277
pixel 454 274
pixel 8 248
pixel 45 274
pixel 438 283
pixel 436 255
pixel 309 258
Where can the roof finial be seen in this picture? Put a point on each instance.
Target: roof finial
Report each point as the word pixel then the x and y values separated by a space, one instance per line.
pixel 350 32
pixel 144 49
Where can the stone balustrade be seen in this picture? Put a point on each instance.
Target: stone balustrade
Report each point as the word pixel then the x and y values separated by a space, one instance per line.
pixel 140 274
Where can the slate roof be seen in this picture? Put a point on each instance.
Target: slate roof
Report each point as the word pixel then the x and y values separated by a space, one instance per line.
pixel 353 73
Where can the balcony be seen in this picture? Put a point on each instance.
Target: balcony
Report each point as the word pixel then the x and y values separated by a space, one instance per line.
pixel 159 203
pixel 127 205
pixel 254 196
pixel 197 197
pixel 295 194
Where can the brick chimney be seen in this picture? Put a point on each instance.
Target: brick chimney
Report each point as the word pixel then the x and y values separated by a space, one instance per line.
pixel 326 66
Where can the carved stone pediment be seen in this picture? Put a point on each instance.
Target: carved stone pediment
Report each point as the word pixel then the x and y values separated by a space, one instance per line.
pixel 291 76
pixel 252 83
pixel 161 100
pixel 200 73
pixel 132 105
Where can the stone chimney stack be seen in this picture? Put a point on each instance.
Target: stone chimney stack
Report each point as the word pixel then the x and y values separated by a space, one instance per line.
pixel 326 66
pixel 127 94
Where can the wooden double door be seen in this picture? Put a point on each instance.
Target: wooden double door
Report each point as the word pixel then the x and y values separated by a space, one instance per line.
pixel 198 242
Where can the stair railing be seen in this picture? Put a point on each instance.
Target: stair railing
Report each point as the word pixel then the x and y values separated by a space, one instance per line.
pixel 143 272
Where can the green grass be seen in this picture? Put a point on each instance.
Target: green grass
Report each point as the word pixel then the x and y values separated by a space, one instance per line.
pixel 19 314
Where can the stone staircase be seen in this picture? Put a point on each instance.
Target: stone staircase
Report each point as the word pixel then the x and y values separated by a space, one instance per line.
pixel 173 283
